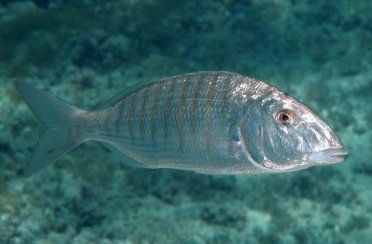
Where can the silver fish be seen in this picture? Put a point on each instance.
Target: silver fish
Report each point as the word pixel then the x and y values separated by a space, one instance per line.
pixel 209 122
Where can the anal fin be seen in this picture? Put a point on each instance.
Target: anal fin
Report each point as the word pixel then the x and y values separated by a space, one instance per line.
pixel 127 160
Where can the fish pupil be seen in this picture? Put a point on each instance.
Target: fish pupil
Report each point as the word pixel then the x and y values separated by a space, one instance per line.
pixel 285 117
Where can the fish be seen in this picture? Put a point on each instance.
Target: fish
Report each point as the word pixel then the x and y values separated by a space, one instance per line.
pixel 209 122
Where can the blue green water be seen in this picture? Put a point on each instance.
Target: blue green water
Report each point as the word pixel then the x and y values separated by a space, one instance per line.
pixel 317 51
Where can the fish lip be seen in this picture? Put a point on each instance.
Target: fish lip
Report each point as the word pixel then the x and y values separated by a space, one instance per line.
pixel 328 156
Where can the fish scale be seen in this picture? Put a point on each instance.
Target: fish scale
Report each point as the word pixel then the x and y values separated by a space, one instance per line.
pixel 207 122
pixel 192 113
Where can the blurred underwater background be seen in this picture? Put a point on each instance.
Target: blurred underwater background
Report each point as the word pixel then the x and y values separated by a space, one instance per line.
pixel 85 51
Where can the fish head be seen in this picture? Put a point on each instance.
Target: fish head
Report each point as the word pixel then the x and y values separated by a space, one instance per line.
pixel 286 135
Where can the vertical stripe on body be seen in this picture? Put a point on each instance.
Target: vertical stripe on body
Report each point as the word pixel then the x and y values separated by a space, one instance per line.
pixel 211 92
pixel 227 84
pixel 155 94
pixel 130 115
pixel 168 109
pixel 181 87
pixel 143 119
pixel 195 93
pixel 118 113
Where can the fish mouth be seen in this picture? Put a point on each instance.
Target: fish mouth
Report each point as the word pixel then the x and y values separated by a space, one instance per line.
pixel 329 156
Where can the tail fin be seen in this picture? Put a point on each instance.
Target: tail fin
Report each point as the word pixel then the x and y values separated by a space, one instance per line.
pixel 57 117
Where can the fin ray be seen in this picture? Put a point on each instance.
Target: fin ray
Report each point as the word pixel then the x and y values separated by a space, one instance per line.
pixel 58 119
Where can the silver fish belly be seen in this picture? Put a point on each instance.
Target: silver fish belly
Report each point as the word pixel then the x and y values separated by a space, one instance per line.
pixel 203 122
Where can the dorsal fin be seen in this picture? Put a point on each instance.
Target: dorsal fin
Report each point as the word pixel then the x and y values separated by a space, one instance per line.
pixel 124 93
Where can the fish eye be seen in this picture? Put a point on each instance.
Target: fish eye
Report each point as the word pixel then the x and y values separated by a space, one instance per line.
pixel 285 117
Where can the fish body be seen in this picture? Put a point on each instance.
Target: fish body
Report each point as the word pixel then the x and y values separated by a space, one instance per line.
pixel 208 122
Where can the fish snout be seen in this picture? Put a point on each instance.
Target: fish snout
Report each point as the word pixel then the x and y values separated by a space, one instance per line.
pixel 329 156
